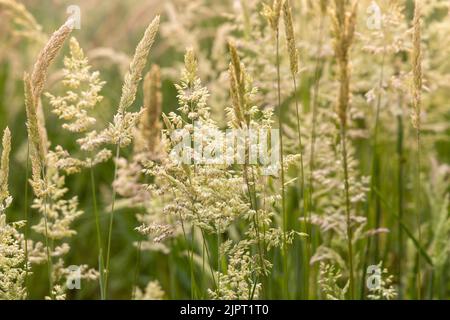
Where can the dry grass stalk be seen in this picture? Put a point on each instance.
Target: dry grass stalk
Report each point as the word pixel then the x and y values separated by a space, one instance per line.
pixel 417 104
pixel 129 90
pixel 273 15
pixel 34 84
pixel 344 29
pixel 293 58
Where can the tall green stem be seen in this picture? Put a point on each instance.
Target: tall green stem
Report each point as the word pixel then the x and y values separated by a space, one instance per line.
pixel 190 258
pixel 314 107
pixel 283 199
pixel 98 232
pixel 375 181
pixel 418 215
pixel 400 169
pixel 47 242
pixel 253 206
pixel 302 190
pixel 26 235
pixel 347 211
pixel 111 222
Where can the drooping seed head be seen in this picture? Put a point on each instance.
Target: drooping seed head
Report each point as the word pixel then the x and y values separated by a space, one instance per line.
pixel 46 56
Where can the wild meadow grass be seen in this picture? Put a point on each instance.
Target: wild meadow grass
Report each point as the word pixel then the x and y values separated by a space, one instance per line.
pixel 116 180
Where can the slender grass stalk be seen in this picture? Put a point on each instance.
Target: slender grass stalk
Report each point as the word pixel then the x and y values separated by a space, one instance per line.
pixel 306 219
pixel 34 84
pixel 208 254
pixel 242 121
pixel 204 245
pixel 26 233
pixel 192 262
pixel 47 241
pixel 273 16
pixel 111 222
pixel 376 157
pixel 254 207
pixel 98 231
pixel 408 232
pixel 210 262
pixel 257 226
pixel 364 270
pixel 190 258
pixel 344 29
pixel 375 180
pixel 418 215
pixel 202 233
pixel 400 170
pixel 314 106
pixel 293 57
pixel 203 266
pixel 219 259
pixel 347 210
pixel 416 121
pixel 129 90
pixel 172 267
pixel 283 191
pixel 266 282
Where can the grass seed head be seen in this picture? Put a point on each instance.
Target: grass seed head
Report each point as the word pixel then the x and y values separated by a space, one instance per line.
pixel 290 37
pixel 46 56
pixel 4 165
pixel 133 77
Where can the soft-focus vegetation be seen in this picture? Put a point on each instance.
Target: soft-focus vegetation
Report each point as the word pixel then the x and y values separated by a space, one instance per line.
pixel 357 206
